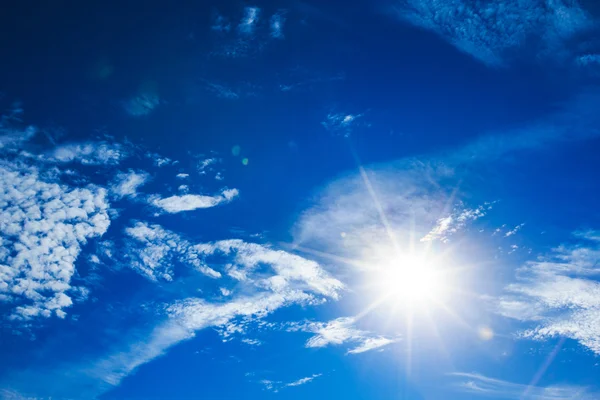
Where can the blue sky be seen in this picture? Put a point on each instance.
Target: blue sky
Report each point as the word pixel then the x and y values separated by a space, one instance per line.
pixel 359 200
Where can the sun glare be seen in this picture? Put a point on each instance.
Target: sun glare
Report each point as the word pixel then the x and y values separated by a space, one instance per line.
pixel 412 280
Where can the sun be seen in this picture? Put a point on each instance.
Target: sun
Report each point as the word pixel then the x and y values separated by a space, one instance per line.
pixel 413 280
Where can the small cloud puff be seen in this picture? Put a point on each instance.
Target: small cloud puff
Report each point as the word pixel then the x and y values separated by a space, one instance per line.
pixel 126 183
pixel 276 25
pixel 249 20
pixel 190 202
pixel 341 123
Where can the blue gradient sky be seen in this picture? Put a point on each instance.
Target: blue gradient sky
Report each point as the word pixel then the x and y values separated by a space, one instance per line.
pixel 356 200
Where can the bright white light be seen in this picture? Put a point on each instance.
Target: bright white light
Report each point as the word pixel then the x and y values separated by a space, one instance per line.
pixel 411 279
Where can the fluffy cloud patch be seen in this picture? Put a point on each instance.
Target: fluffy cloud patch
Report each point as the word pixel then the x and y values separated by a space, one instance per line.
pixel 126 183
pixel 43 227
pixel 559 293
pixel 190 202
pixel 154 251
pixel 88 153
pixel 493 32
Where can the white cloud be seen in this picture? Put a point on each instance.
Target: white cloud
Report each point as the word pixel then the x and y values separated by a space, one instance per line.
pixel 12 139
pixel 514 230
pixel 126 183
pixel 252 342
pixel 453 223
pixel 205 165
pixel 248 23
pixel 88 153
pixel 190 202
pixel 154 258
pixel 303 381
pixel 364 216
pixel 480 384
pixel 494 32
pixel 43 227
pixel 294 280
pixel 154 250
pixel 340 331
pixel 250 36
pixel 162 161
pixel 184 319
pixel 182 176
pixel 371 344
pixel 290 270
pixel 560 293
pixel 341 123
pixel 276 386
pixel 276 25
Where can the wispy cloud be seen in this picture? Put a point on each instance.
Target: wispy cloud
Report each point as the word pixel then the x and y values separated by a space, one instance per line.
pixel 576 119
pixel 372 343
pixel 514 230
pixel 303 381
pixel 248 23
pixel 589 60
pixel 341 123
pixel 480 384
pixel 190 202
pixel 453 223
pixel 559 293
pixel 355 215
pixel 341 331
pixel 220 23
pixel 187 316
pixel 222 91
pixel 276 386
pixel 276 25
pixel 251 34
pixel 496 32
